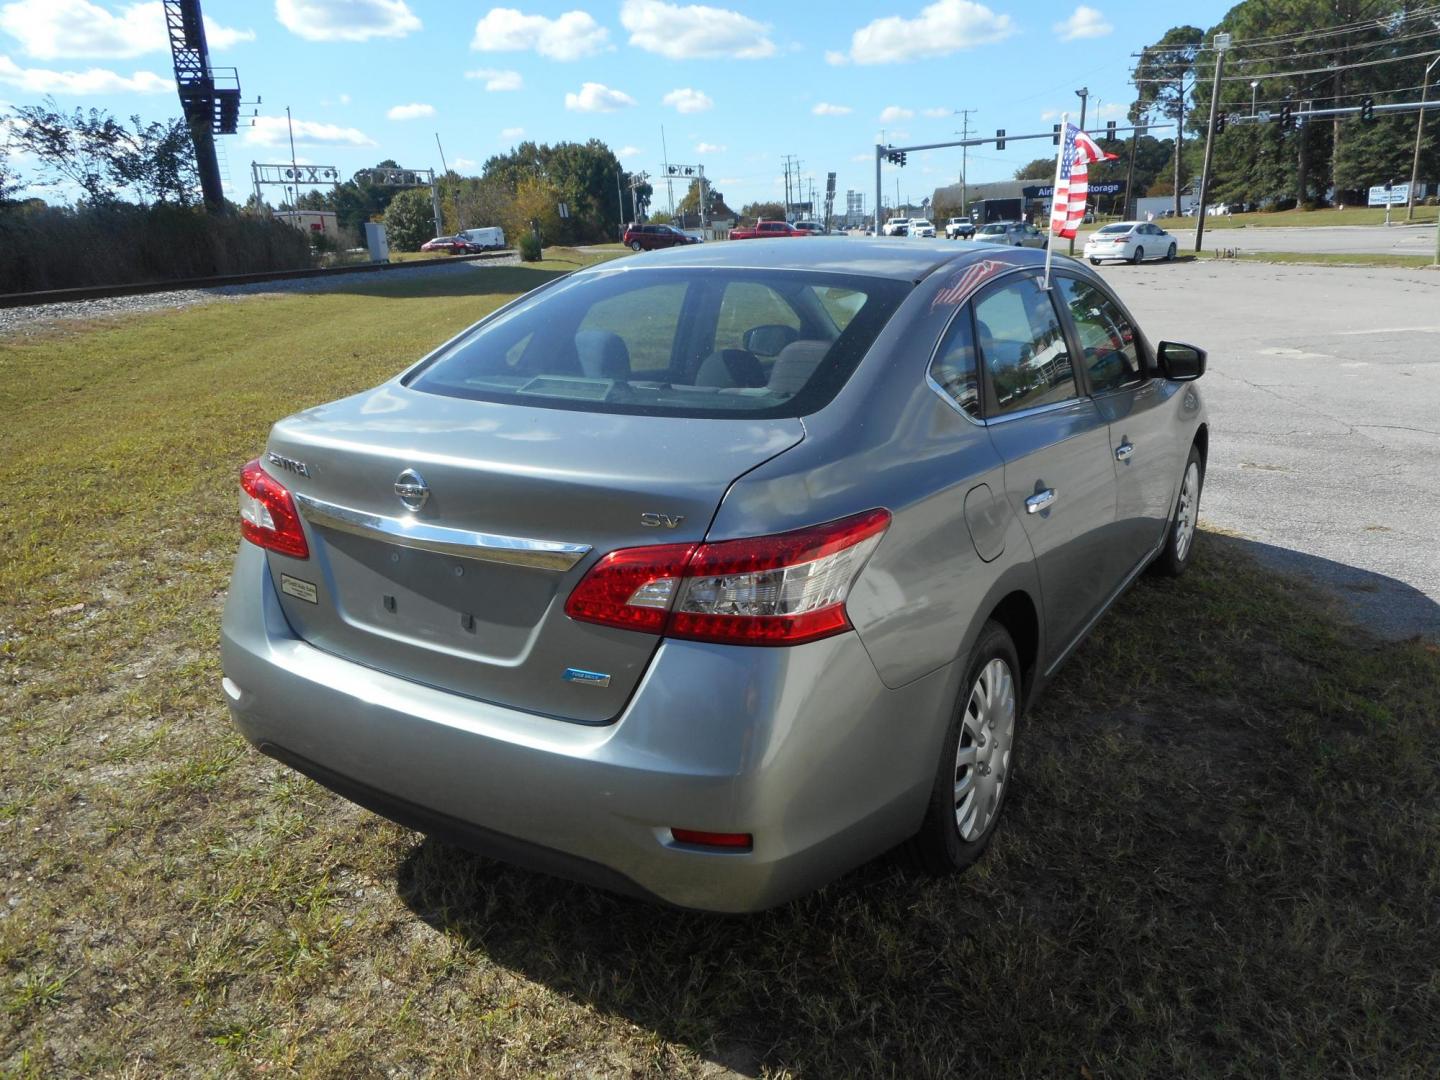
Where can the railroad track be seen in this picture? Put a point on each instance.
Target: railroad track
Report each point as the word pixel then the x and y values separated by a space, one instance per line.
pixel 102 292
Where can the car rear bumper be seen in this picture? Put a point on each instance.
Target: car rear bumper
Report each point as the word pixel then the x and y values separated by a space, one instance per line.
pixel 803 747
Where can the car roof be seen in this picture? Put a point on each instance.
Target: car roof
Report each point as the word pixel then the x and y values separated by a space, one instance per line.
pixel 900 259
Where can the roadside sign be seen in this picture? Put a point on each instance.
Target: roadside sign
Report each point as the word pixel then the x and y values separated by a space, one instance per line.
pixel 1389 194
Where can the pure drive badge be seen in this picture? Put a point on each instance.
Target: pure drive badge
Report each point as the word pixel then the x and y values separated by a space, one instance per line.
pixel 589 678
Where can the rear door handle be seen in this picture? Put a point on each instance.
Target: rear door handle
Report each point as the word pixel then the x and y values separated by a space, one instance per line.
pixel 1039 501
pixel 1124 450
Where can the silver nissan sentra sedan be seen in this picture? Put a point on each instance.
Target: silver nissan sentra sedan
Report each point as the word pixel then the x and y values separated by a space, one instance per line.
pixel 711 573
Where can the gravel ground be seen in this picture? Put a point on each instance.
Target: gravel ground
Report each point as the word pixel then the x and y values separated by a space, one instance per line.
pixel 42 318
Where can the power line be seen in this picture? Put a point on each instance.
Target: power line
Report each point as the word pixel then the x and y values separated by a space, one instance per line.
pixel 1328 70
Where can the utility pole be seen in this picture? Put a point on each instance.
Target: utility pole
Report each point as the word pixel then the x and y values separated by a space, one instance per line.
pixel 1084 95
pixel 1179 136
pixel 1222 42
pixel 1130 173
pixel 964 115
pixel 620 198
pixel 1419 131
pixel 445 172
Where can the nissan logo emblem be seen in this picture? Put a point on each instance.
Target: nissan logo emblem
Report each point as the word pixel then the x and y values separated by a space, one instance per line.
pixel 412 489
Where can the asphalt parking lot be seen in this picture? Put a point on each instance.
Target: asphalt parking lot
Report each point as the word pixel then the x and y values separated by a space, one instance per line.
pixel 1324 392
pixel 1398 239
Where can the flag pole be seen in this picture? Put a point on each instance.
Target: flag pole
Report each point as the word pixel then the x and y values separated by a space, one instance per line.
pixel 1054 193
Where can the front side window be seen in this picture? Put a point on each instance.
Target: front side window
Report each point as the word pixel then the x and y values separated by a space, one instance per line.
pixel 673 342
pixel 1108 339
pixel 1027 362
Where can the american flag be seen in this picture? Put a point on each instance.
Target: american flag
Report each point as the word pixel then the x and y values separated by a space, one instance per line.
pixel 1067 206
pixel 958 289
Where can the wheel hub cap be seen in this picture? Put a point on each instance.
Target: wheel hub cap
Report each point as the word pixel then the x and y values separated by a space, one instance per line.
pixel 1186 513
pixel 982 758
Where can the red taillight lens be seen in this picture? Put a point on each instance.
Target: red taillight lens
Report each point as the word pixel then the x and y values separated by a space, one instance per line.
pixel 267 514
pixel 727 840
pixel 771 590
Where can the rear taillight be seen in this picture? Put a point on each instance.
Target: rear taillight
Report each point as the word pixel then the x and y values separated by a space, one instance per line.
pixel 267 514
pixel 770 590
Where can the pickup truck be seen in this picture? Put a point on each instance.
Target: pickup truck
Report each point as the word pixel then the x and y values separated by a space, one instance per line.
pixel 763 229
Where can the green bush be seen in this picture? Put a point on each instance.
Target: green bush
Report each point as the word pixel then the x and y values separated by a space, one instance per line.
pixel 410 219
pixel 529 247
pixel 48 247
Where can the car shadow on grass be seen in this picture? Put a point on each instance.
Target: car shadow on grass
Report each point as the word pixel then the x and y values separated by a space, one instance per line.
pixel 1204 868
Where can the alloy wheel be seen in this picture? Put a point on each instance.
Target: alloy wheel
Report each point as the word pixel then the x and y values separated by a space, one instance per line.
pixel 983 755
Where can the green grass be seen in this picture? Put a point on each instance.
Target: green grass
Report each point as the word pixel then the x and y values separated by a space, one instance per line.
pixel 1222 856
pixel 1313 258
pixel 1351 215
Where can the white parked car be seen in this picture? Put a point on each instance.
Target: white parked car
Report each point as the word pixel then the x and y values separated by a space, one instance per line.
pixel 897 226
pixel 921 227
pixel 959 227
pixel 1132 241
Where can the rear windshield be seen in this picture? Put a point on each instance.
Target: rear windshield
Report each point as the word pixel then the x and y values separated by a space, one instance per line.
pixel 1116 228
pixel 992 228
pixel 672 342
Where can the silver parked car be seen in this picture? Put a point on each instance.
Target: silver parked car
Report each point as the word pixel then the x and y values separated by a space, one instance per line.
pixel 712 573
pixel 1012 234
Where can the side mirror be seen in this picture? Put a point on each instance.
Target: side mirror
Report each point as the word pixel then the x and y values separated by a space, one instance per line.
pixel 1180 362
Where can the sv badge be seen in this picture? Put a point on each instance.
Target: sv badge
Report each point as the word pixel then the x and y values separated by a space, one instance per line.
pixel 656 521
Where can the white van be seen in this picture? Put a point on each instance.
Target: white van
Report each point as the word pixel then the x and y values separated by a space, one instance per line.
pixel 493 237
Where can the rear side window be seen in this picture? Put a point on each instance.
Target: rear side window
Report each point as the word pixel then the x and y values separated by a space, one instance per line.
pixel 672 342
pixel 1027 361
pixel 955 368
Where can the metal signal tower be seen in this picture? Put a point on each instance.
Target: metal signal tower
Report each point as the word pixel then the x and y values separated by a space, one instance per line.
pixel 210 109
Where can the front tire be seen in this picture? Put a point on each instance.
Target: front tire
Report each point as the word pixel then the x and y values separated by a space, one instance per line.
pixel 635 246
pixel 1138 257
pixel 977 760
pixel 1180 538
pixel 1170 255
pixel 1094 262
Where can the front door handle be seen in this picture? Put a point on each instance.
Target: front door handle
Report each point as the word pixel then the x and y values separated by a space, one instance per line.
pixel 1039 501
pixel 1124 450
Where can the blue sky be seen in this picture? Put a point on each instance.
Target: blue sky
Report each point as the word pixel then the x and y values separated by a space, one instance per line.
pixel 735 88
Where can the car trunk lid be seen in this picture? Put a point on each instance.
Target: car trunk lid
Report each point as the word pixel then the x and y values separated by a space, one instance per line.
pixel 446 534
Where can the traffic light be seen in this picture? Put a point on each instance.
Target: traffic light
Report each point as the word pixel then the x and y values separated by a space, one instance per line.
pixel 896 157
pixel 1220 123
pixel 1055 135
pixel 1110 130
pixel 1367 109
pixel 1000 139
pixel 1287 119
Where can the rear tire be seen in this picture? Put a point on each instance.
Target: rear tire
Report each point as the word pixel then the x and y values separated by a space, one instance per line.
pixel 1181 532
pixel 966 802
pixel 1094 262
pixel 635 246
pixel 1138 257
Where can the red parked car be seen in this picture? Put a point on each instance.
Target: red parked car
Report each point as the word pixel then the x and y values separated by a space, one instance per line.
pixel 451 245
pixel 651 237
pixel 766 230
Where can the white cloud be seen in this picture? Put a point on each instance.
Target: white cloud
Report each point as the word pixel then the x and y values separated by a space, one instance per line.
pixel 511 133
pixel 597 97
pixel 272 131
pixel 694 32
pixel 895 112
pixel 708 148
pixel 628 151
pixel 570 36
pixel 937 112
pixel 836 59
pixel 497 80
pixel 90 81
pixel 944 27
pixel 1111 111
pixel 1085 22
pixel 346 20
pixel 826 109
pixel 463 163
pixel 687 100
pixel 64 29
pixel 413 111
pixel 1050 115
